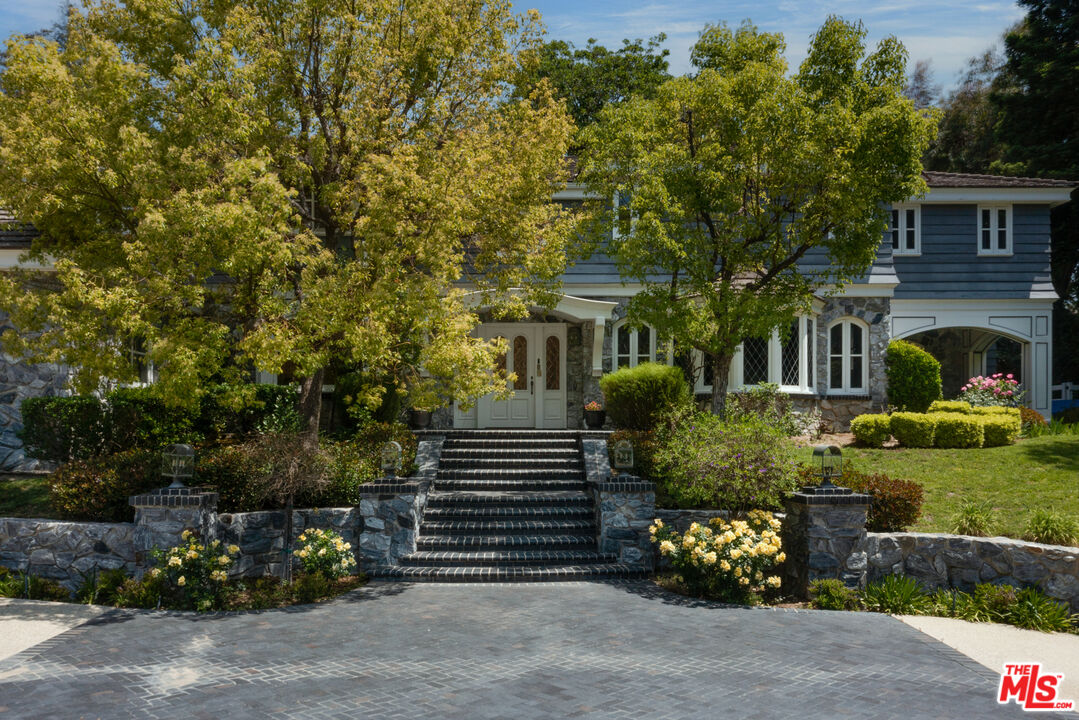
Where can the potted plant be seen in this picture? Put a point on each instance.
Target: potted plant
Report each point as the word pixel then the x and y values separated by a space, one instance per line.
pixel 424 400
pixel 594 415
pixel 419 418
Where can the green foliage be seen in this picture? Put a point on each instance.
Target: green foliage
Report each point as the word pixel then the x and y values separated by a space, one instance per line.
pixel 323 552
pixel 726 561
pixel 240 215
pixel 18 584
pixel 832 594
pixel 1026 608
pixel 146 592
pixel 704 462
pixel 239 411
pixel 139 419
pixel 1069 416
pixel 1052 528
pixel 98 488
pixel 897 504
pixel 589 78
pixel 310 587
pixel 100 587
pixel 194 576
pixel 896 595
pixel 1034 610
pixel 768 402
pixel 1013 412
pixel 1052 427
pixel 974 518
pixel 871 430
pixel 644 450
pixel 914 430
pixel 913 376
pixel 232 471
pixel 966 140
pixel 1034 423
pixel 951 406
pixel 58 429
pixel 636 397
pixel 1000 429
pixel 958 431
pixel 684 159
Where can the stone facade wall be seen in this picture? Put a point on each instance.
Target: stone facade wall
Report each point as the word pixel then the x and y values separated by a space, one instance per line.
pixel 261 535
pixel 945 561
pixel 19 381
pixel 64 551
pixel 625 509
pixel 823 536
pixel 837 411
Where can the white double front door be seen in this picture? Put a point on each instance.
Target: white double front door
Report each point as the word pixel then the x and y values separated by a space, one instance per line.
pixel 536 358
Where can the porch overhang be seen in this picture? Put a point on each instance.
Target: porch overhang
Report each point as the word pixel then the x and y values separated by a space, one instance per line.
pixel 572 308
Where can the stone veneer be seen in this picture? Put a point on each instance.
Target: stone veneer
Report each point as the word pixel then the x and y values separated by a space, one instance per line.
pixel 65 551
pixel 625 507
pixel 961 561
pixel 822 536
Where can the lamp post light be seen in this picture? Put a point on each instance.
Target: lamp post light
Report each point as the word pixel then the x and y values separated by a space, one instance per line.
pixel 829 459
pixel 391 459
pixel 623 456
pixel 179 464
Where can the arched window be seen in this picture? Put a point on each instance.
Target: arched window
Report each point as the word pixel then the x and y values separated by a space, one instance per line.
pixel 631 347
pixel 848 357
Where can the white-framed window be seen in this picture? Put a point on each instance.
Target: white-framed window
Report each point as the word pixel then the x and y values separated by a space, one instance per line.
pixel 788 362
pixel 848 357
pixel 136 354
pixel 906 229
pixel 632 346
pixel 994 229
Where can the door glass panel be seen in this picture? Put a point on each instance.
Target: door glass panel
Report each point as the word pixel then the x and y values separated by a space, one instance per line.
pixel 520 362
pixel 554 370
pixel 500 361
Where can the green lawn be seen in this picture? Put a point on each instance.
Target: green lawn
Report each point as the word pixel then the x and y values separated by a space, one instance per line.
pixel 24 496
pixel 1014 480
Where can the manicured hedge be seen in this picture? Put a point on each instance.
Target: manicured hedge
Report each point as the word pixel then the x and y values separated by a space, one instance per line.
pixel 996 410
pixel 871 430
pixel 913 376
pixel 98 488
pixel 958 431
pixel 637 397
pixel 1000 429
pixel 897 504
pixel 59 429
pixel 950 406
pixel 914 429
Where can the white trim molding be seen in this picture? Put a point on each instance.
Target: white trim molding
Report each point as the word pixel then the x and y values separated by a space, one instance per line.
pixel 1050 195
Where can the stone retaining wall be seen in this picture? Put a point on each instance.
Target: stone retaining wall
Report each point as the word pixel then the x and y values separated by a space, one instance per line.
pixel 961 561
pixel 65 551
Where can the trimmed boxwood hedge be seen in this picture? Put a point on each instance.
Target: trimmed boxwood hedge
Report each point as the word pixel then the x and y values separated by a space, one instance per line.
pixel 1000 429
pixel 913 376
pixel 636 397
pixel 958 431
pixel 871 430
pixel 950 406
pixel 914 429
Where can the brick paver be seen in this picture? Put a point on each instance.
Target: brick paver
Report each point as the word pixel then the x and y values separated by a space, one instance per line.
pixel 558 650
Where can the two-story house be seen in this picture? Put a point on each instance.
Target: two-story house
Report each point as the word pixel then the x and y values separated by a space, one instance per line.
pixel 963 271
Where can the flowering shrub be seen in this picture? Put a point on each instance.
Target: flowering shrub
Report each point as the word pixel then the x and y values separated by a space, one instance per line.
pixel 736 465
pixel 324 553
pixel 195 575
pixel 593 406
pixel 729 561
pixel 998 389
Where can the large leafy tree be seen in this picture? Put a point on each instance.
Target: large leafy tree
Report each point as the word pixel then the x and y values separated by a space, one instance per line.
pixel 590 77
pixel 261 184
pixel 966 141
pixel 734 177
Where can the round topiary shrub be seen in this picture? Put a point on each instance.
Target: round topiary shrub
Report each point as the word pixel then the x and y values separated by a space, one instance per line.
pixel 950 406
pixel 914 429
pixel 958 431
pixel 637 397
pixel 1000 429
pixel 913 376
pixel 871 430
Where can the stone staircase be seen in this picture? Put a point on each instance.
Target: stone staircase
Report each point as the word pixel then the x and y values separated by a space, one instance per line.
pixel 509 506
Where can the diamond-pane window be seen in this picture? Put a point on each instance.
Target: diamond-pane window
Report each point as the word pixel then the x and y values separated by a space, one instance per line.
pixel 791 355
pixel 754 361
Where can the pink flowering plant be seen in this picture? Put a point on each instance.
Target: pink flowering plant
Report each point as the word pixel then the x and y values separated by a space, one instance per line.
pixel 996 390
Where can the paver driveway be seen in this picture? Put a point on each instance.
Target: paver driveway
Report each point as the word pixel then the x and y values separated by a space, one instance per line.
pixel 626 650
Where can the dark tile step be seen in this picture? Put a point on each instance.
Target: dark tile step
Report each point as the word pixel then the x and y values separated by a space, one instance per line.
pixel 495 542
pixel 542 486
pixel 508 527
pixel 567 453
pixel 547 465
pixel 506 557
pixel 513 498
pixel 538 473
pixel 516 573
pixel 511 434
pixel 507 512
pixel 520 443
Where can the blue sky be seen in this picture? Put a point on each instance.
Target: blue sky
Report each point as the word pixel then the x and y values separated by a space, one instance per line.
pixel 946 32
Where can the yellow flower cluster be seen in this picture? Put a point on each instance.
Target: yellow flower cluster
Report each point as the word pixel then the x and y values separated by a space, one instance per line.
pixel 219 576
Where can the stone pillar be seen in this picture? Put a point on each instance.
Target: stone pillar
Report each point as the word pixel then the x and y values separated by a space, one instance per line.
pixel 824 537
pixel 626 506
pixel 161 517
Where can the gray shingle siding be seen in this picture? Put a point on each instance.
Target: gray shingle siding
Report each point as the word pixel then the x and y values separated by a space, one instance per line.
pixel 950 267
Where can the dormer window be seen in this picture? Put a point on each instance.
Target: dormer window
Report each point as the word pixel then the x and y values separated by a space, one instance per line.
pixel 906 230
pixel 994 229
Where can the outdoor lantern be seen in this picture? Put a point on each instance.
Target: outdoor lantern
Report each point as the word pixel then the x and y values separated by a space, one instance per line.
pixel 623 456
pixel 179 464
pixel 830 460
pixel 391 458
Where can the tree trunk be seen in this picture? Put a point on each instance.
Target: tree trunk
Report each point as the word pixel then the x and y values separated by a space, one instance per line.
pixel 311 408
pixel 721 366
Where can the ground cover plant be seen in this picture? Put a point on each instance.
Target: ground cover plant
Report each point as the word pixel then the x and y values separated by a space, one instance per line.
pixel 1027 608
pixel 1013 480
pixel 25 496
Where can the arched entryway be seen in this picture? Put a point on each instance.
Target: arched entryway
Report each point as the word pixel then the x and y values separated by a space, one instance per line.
pixel 966 352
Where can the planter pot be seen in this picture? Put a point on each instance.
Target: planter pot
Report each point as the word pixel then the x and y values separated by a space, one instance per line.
pixel 594 419
pixel 419 419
